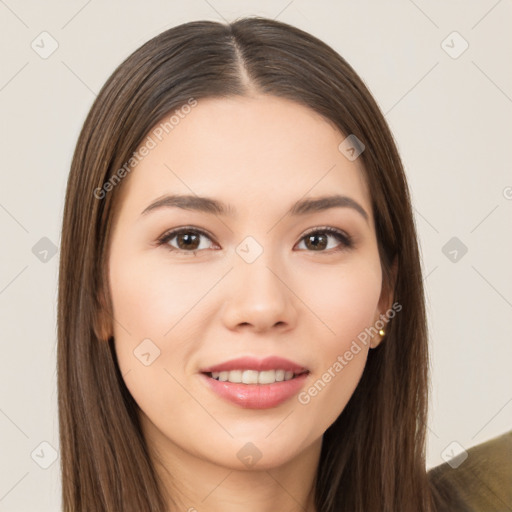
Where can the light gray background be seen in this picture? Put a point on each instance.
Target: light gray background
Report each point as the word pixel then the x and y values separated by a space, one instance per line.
pixel 452 121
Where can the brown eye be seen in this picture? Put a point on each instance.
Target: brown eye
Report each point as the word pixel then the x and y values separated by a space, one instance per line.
pixel 185 240
pixel 189 241
pixel 318 240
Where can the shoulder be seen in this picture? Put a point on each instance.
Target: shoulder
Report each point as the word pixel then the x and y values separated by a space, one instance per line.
pixel 481 483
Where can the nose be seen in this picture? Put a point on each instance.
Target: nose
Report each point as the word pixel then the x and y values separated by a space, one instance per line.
pixel 258 297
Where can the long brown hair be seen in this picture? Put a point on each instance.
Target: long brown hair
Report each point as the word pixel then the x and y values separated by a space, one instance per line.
pixel 373 455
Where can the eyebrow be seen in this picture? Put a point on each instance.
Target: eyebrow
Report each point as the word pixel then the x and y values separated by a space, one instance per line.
pixel 216 207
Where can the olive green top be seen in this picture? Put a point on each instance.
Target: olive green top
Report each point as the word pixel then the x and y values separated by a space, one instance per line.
pixel 481 483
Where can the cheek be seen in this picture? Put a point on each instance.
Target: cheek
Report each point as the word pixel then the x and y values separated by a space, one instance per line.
pixel 147 312
pixel 150 298
pixel 157 315
pixel 346 303
pixel 345 300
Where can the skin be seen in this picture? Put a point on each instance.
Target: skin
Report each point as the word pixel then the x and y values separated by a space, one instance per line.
pixel 293 301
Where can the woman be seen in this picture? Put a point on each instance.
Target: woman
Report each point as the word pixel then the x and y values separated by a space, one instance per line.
pixel 241 312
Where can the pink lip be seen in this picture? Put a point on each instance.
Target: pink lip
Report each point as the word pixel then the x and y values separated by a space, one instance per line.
pixel 260 365
pixel 256 396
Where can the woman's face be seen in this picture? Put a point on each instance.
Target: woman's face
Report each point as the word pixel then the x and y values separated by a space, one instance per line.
pixel 247 282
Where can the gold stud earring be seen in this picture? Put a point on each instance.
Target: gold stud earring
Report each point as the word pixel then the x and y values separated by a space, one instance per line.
pixel 382 333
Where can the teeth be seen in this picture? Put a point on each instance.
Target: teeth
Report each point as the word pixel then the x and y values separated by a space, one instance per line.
pixel 250 377
pixel 253 376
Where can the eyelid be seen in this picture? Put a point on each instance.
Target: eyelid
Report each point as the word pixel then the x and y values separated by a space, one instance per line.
pixel 328 229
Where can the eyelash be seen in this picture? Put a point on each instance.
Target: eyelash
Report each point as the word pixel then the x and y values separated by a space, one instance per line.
pixel 345 239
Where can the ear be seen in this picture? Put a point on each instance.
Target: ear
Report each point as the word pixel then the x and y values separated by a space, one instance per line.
pixel 102 321
pixel 386 300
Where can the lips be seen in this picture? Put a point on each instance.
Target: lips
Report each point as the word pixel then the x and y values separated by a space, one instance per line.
pixel 256 396
pixel 277 381
pixel 259 365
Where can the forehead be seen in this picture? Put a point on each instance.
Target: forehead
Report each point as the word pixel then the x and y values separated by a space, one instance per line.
pixel 247 151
